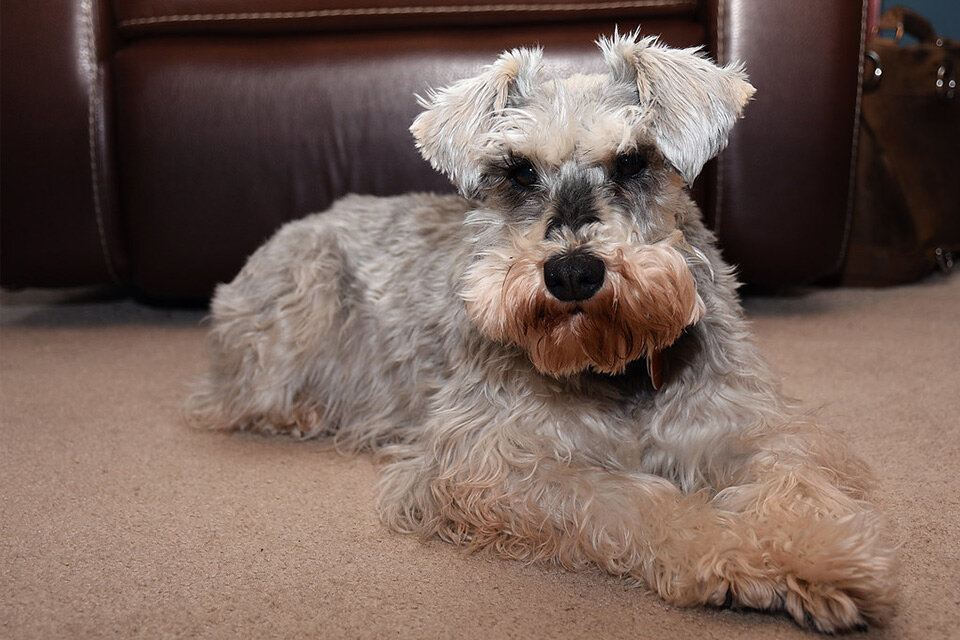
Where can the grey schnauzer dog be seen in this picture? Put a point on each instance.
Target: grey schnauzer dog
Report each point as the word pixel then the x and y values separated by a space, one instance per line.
pixel 554 364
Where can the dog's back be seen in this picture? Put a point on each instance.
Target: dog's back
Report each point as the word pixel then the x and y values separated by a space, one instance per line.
pixel 326 301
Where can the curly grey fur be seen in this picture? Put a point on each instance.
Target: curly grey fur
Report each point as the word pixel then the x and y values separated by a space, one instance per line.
pixel 419 327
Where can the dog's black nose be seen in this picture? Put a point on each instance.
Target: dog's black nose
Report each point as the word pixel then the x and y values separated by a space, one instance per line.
pixel 573 276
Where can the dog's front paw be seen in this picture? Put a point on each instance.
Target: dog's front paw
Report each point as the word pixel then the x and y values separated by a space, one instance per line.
pixel 830 574
pixel 821 607
pixel 839 572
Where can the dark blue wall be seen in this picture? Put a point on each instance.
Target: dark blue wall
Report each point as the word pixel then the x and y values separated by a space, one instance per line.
pixel 944 15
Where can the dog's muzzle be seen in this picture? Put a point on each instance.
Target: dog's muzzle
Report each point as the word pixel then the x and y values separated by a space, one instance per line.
pixel 573 276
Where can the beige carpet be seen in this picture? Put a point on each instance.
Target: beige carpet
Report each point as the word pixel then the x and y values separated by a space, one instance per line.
pixel 115 520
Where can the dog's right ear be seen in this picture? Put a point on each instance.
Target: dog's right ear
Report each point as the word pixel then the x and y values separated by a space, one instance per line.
pixel 451 132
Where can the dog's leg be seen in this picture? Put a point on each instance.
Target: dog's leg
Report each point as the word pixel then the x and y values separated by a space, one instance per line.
pixel 801 496
pixel 535 508
pixel 273 329
pixel 792 537
pixel 793 490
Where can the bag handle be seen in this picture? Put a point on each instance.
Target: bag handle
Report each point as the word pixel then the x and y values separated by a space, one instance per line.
pixel 905 20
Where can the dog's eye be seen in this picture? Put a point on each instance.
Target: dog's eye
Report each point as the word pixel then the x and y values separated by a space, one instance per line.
pixel 630 164
pixel 523 174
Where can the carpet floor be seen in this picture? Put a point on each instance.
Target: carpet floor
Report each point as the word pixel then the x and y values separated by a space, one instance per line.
pixel 118 521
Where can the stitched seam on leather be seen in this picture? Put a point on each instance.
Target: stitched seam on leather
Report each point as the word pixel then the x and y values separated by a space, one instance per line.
pixel 718 166
pixel 720 25
pixel 93 108
pixel 399 11
pixel 855 144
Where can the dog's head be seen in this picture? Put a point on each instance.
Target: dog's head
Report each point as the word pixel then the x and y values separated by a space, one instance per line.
pixel 578 253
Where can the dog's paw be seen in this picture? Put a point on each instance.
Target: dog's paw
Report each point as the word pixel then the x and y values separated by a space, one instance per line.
pixel 838 574
pixel 822 608
pixel 831 576
pixel 818 607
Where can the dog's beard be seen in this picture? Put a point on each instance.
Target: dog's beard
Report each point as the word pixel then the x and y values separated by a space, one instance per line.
pixel 647 300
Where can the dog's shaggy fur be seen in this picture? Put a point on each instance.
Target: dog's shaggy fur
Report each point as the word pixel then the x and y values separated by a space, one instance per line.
pixel 611 410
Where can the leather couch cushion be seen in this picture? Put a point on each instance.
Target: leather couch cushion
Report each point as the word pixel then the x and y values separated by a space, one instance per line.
pixel 222 139
pixel 148 17
pixel 783 208
pixel 58 223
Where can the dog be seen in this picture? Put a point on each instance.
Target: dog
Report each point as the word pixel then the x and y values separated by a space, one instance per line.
pixel 554 364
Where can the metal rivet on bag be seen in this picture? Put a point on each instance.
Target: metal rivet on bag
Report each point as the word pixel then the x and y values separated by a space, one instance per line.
pixel 944 260
pixel 946 83
pixel 873 79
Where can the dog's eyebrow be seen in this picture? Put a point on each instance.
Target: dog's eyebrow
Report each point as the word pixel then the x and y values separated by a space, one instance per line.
pixel 514 158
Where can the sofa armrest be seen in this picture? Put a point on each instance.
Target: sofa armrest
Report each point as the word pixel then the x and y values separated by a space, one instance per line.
pixel 782 196
pixel 59 223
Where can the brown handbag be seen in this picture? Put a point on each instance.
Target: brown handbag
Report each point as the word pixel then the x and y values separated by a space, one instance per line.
pixel 906 220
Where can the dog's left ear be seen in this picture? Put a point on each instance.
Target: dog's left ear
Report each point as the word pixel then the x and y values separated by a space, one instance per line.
pixel 451 133
pixel 691 103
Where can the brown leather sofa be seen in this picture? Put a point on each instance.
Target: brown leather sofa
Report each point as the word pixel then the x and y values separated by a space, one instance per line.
pixel 156 143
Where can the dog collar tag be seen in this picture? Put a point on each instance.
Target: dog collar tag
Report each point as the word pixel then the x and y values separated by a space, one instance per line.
pixel 655 368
